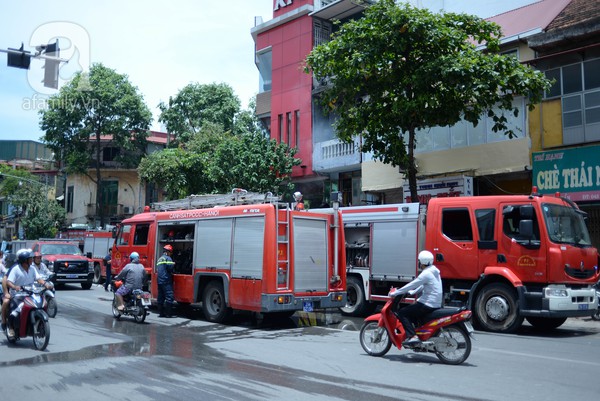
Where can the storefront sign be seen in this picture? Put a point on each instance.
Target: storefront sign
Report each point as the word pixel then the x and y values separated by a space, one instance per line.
pixel 281 4
pixel 441 188
pixel 575 173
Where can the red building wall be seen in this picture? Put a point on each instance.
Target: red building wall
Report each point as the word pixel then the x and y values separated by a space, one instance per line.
pixel 291 86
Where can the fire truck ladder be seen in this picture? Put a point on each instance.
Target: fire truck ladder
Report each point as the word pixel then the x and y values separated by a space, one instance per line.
pixel 238 196
pixel 283 244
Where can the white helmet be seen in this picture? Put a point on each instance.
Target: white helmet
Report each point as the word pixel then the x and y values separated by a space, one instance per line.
pixel 426 258
pixel 297 196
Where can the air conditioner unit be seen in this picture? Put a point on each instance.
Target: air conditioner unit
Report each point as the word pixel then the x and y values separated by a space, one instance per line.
pixel 127 210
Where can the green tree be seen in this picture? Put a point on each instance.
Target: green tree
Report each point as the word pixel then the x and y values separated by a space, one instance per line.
pixel 39 216
pixel 95 110
pixel 401 69
pixel 213 161
pixel 196 104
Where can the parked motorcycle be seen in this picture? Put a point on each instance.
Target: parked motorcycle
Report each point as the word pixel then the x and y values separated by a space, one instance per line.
pixel 136 303
pixel 50 295
pixel 28 316
pixel 446 332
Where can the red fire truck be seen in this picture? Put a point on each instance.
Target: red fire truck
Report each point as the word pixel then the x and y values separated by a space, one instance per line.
pixel 96 246
pixel 262 257
pixel 508 258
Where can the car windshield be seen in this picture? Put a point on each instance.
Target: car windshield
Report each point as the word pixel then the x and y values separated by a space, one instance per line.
pixel 60 249
pixel 565 225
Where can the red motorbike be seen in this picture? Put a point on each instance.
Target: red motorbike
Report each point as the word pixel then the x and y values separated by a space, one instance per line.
pixel 446 332
pixel 28 316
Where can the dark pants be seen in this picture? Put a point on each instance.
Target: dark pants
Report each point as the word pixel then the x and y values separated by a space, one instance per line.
pixel 165 294
pixel 108 277
pixel 410 314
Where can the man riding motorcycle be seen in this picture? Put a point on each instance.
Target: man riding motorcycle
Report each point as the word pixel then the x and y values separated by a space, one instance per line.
pixel 428 301
pixel 21 275
pixel 133 276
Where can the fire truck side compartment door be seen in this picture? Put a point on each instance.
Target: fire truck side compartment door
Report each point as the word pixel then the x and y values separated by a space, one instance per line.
pixel 394 249
pixel 213 243
pixel 310 254
pixel 248 247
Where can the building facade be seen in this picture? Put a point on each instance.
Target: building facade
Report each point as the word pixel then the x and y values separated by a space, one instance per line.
pixel 123 192
pixel 559 37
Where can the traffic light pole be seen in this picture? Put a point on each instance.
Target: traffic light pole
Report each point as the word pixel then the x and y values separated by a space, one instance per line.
pixel 20 58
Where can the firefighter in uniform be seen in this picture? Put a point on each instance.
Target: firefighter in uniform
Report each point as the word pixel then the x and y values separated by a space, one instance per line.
pixel 164 268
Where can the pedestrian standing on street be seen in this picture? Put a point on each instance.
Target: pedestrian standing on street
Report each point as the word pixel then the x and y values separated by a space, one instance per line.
pixel 164 268
pixel 107 266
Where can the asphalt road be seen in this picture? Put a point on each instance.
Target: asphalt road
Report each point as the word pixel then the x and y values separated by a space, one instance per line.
pixel 93 356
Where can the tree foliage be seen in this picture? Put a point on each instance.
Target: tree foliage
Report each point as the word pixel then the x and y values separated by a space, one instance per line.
pixel 39 216
pixel 218 147
pixel 97 109
pixel 400 69
pixel 195 104
pixel 216 162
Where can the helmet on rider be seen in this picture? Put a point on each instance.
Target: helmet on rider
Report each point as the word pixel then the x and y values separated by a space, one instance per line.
pixel 134 257
pixel 168 248
pixel 426 258
pixel 23 255
pixel 37 255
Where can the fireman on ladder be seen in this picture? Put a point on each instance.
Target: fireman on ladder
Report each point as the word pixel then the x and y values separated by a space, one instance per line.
pixel 299 204
pixel 164 268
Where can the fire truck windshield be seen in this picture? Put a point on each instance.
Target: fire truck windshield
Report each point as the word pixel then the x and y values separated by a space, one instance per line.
pixel 565 225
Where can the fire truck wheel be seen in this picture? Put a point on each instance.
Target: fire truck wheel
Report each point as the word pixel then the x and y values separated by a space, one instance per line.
pixel 496 309
pixel 97 274
pixel 214 304
pixel 86 286
pixel 546 323
pixel 356 304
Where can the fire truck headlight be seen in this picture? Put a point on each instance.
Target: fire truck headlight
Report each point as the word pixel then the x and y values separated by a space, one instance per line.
pixel 551 292
pixel 90 267
pixel 337 297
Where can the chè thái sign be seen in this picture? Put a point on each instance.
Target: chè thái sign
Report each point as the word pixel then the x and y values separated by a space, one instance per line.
pixel 575 173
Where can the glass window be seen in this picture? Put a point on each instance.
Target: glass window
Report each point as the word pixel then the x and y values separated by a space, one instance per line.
pixel 265 68
pixel 591 73
pixel 554 90
pixel 456 224
pixel 441 138
pixel 565 225
pixel 288 129
pixel 485 223
pixel 141 234
pixel 572 78
pixel 123 238
pixel 458 134
pixel 476 133
pixel 297 129
pixel 511 220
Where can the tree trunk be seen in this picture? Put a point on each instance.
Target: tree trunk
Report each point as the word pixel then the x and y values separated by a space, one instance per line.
pixel 412 167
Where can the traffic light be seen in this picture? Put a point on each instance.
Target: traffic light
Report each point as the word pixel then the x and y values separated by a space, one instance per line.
pixel 51 67
pixel 18 58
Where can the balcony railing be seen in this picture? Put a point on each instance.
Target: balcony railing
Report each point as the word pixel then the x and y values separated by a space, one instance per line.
pixel 335 154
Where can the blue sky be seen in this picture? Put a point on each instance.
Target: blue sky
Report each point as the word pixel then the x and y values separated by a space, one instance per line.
pixel 162 46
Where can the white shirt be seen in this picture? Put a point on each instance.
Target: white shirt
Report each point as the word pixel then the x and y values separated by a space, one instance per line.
pixel 432 287
pixel 19 277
